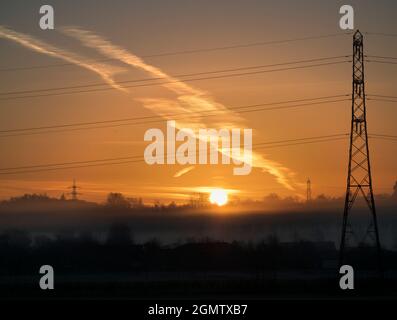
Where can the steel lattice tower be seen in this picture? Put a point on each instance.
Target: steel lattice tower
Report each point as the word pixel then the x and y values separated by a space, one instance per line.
pixel 74 192
pixel 308 190
pixel 359 178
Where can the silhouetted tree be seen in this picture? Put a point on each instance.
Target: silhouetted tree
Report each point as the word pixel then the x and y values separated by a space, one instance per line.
pixel 136 202
pixel 26 198
pixel 117 200
pixel 172 205
pixel 395 191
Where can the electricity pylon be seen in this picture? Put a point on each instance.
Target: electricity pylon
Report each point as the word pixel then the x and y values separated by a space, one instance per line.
pixel 359 178
pixel 74 192
pixel 309 190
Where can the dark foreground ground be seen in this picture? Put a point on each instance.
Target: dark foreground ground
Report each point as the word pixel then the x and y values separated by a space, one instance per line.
pixel 193 287
pixel 102 252
pixel 86 269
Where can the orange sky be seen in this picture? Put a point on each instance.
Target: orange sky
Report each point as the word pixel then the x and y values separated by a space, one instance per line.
pixel 147 29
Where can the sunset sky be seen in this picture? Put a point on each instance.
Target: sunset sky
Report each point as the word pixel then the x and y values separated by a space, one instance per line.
pixel 106 42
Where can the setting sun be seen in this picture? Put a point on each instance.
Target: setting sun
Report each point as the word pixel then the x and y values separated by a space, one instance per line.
pixel 218 197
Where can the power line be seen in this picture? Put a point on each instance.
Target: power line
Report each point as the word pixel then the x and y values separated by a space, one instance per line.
pixel 68 163
pixel 381 34
pixel 387 137
pixel 137 158
pixel 384 138
pixel 381 96
pixel 169 115
pixel 304 139
pixel 304 142
pixel 174 53
pixel 384 59
pixel 22 132
pixel 381 57
pixel 177 81
pixel 383 135
pixel 72 167
pixel 383 62
pixel 174 76
pixel 382 100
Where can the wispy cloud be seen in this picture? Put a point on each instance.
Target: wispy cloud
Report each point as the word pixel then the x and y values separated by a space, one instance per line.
pixel 188 100
pixel 105 71
pixel 183 171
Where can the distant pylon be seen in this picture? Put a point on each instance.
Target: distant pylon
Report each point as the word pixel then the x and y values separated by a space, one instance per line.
pixel 74 192
pixel 359 178
pixel 309 190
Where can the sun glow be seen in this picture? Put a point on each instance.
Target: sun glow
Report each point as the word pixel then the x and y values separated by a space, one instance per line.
pixel 218 197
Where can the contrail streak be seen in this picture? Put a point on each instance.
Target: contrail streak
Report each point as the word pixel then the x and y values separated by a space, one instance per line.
pixel 103 70
pixel 189 99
